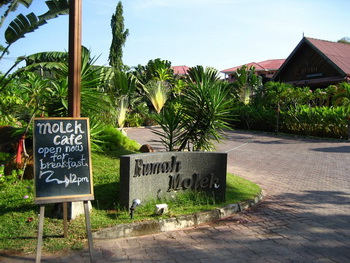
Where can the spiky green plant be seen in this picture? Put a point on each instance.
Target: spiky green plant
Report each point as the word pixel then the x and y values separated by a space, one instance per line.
pixel 206 107
pixel 171 122
pixel 158 93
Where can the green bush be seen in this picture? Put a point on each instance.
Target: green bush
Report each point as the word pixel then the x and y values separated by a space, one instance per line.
pixel 112 138
pixel 254 117
pixel 316 121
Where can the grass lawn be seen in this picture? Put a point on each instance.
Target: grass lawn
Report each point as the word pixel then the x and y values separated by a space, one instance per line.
pixel 19 215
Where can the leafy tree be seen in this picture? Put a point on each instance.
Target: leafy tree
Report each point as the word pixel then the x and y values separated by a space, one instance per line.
pixel 10 103
pixel 119 36
pixel 342 96
pixel 345 40
pixel 50 97
pixel 156 82
pixel 156 69
pixel 139 72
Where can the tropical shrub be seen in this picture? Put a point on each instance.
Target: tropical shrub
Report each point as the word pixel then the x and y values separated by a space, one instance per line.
pixel 299 110
pixel 316 121
pixel 201 114
pixel 172 124
pixel 111 138
pixel 9 103
pixel 256 117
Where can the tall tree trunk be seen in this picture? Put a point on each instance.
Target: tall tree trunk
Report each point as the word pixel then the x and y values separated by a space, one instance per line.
pixel 278 118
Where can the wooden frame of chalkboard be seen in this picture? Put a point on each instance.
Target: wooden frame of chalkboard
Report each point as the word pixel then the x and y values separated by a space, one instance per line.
pixel 62 160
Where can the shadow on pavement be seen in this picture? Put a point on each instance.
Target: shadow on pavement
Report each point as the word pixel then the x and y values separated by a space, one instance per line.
pixel 339 149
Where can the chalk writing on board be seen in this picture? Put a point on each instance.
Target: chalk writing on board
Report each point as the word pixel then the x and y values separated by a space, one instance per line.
pixel 62 158
pixel 72 179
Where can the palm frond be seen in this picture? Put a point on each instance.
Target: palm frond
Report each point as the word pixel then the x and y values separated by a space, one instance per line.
pixel 22 25
pixel 56 8
pixel 13 7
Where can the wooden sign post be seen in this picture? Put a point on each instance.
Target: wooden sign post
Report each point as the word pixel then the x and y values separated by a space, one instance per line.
pixel 62 166
pixel 74 73
pixel 74 186
pixel 74 69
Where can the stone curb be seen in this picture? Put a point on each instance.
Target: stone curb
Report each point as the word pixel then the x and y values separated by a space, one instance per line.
pixel 170 224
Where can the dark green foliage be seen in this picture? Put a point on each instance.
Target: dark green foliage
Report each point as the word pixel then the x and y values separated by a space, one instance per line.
pixel 254 117
pixel 171 122
pixel 201 114
pixel 206 107
pixel 246 83
pixel 283 108
pixel 119 36
pixel 316 121
pixel 345 40
pixel 151 71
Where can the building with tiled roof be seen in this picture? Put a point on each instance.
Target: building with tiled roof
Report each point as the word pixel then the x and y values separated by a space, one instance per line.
pixel 180 70
pixel 266 69
pixel 316 63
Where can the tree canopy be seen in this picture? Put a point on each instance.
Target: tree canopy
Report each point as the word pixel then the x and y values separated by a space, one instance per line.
pixel 119 35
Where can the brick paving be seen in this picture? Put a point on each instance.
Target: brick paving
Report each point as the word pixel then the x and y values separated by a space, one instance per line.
pixel 305 216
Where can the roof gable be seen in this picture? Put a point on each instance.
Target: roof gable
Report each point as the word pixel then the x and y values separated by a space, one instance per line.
pixel 314 58
pixel 338 53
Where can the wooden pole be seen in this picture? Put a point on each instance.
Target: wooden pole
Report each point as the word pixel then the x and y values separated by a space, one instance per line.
pixel 40 234
pixel 74 72
pixel 65 219
pixel 88 230
pixel 74 85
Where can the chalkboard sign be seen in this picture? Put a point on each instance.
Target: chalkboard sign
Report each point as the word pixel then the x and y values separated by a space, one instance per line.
pixel 62 161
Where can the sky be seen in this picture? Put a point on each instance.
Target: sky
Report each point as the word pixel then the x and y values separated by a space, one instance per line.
pixel 215 33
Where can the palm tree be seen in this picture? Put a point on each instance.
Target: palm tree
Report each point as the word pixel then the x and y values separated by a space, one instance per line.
pixel 206 106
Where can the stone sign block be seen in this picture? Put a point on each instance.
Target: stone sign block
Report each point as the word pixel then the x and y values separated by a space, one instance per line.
pixel 153 175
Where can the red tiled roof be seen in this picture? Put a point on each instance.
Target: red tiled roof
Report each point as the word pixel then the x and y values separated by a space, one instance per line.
pixel 338 53
pixel 180 70
pixel 272 64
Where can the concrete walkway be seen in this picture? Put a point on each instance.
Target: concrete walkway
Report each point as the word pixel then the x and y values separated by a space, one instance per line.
pixel 305 216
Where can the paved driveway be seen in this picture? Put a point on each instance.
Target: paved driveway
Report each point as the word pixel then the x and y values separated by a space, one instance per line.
pixel 305 216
